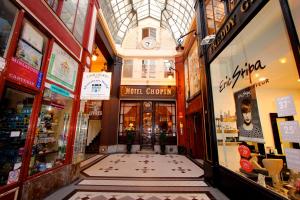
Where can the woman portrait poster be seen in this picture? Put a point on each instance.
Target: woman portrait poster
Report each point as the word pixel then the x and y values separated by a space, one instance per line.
pixel 248 121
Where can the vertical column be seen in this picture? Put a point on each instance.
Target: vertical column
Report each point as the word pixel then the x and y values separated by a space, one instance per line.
pixel 181 121
pixel 110 115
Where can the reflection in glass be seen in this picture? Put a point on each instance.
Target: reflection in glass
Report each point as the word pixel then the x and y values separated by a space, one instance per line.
pixel 7 17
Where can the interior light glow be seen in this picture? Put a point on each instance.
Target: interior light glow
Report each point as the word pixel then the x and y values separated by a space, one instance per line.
pixel 282 60
pixel 94 57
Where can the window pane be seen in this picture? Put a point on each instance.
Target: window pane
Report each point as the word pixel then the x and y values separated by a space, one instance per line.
pixel 80 19
pixel 127 68
pixel 68 13
pixel 49 149
pixel 53 4
pixel 295 7
pixel 7 16
pixel 15 113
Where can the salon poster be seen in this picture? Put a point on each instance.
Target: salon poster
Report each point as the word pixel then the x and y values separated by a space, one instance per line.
pixel 248 121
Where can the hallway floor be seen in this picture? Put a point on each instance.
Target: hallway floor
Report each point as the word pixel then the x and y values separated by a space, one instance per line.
pixel 140 177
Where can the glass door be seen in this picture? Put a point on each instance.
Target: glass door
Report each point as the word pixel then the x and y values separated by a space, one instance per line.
pixel 147 139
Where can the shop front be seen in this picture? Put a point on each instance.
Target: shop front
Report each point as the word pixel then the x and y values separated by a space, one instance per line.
pixel 148 111
pixel 254 83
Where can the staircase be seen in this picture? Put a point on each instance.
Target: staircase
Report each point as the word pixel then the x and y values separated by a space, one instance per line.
pixel 93 147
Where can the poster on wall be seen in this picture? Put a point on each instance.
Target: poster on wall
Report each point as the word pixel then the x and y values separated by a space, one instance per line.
pixel 62 68
pixel 248 121
pixel 96 86
pixel 194 70
pixel 29 55
pixel 32 36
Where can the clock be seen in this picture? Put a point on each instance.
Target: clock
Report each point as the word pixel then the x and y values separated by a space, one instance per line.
pixel 148 43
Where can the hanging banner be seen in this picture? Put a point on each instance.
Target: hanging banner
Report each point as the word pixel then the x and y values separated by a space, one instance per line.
pixel 96 86
pixel 62 68
pixel 248 121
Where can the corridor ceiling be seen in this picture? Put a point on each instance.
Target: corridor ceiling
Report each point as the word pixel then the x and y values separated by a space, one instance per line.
pixel 121 15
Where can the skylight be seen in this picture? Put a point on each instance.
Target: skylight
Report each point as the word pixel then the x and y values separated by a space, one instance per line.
pixel 121 15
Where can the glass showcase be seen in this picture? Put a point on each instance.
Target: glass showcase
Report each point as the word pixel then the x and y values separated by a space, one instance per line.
pixel 49 148
pixel 256 97
pixel 16 107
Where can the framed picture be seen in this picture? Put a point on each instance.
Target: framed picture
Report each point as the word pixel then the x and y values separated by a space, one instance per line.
pixel 32 36
pixel 29 55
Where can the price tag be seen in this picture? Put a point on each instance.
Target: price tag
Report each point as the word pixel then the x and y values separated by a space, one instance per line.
pixel 290 131
pixel 292 158
pixel 285 106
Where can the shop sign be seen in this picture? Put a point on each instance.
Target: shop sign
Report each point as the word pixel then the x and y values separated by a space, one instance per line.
pixel 24 74
pixel 285 106
pixel 59 90
pixel 290 131
pixel 62 68
pixel 241 73
pixel 2 63
pixel 237 19
pixel 147 92
pixel 96 86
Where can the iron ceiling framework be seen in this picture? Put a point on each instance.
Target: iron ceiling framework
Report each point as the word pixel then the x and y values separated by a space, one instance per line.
pixel 121 15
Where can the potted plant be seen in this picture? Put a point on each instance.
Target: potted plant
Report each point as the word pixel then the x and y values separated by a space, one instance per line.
pixel 130 137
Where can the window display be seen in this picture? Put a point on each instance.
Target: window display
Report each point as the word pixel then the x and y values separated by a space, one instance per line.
pixel 49 148
pixel 254 79
pixel 16 107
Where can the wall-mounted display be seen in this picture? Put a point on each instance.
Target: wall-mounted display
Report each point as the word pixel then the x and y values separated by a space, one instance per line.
pixel 28 54
pixel 186 79
pixel 32 36
pixel 62 68
pixel 49 148
pixel 194 70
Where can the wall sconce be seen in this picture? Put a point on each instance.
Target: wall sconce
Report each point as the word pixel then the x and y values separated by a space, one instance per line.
pixel 170 73
pixel 207 40
pixel 95 54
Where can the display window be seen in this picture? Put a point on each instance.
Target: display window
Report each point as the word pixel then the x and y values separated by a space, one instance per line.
pixel 49 148
pixel 256 96
pixel 8 13
pixel 16 107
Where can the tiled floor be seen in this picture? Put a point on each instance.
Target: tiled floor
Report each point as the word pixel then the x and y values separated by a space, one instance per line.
pixel 140 177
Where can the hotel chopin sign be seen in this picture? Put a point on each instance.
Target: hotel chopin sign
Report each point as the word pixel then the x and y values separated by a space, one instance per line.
pixel 147 92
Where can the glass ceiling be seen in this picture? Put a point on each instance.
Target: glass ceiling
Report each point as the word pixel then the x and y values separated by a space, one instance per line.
pixel 121 15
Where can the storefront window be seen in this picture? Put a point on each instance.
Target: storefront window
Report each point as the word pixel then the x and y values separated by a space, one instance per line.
pixel 295 7
pixel 73 15
pixel 16 107
pixel 254 79
pixel 8 14
pixel 215 15
pixel 129 114
pixel 49 149
pixel 165 118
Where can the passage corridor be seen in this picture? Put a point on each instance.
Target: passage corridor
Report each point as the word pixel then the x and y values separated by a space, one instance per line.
pixel 140 177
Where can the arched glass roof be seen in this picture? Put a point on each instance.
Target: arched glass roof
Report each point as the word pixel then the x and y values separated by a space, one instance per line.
pixel 121 15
